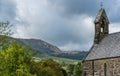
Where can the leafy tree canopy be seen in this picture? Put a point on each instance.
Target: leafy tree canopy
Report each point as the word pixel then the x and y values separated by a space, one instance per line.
pixel 46 67
pixel 14 61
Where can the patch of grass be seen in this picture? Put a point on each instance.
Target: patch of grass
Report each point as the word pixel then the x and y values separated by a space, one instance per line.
pixel 61 61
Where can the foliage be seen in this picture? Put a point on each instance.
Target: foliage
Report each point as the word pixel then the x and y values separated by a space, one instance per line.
pixel 64 72
pixel 70 68
pixel 78 69
pixel 14 61
pixel 46 67
pixel 5 31
pixel 74 69
pixel 68 65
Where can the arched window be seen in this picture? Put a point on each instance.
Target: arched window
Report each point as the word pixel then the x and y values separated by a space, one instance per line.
pixel 101 29
pixel 102 25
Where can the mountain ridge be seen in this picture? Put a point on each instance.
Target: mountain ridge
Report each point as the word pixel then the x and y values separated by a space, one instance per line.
pixel 43 47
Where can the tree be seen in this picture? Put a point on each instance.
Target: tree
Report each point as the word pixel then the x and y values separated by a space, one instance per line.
pixel 14 58
pixel 64 72
pixel 46 67
pixel 78 69
pixel 14 61
pixel 5 31
pixel 70 68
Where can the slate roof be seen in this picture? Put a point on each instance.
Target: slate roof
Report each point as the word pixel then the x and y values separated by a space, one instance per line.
pixel 107 48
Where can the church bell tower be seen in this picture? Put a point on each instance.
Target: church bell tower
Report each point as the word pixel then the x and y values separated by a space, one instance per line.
pixel 101 26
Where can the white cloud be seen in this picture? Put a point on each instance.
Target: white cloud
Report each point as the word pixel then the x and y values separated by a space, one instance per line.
pixel 70 47
pixel 114 27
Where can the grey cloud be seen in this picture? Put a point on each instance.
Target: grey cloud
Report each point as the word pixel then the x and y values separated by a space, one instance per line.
pixel 76 6
pixel 90 7
pixel 7 10
pixel 64 23
pixel 50 25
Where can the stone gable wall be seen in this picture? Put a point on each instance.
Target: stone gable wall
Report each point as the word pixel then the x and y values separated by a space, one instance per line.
pixel 97 67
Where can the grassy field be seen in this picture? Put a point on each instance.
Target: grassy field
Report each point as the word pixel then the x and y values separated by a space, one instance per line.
pixel 58 59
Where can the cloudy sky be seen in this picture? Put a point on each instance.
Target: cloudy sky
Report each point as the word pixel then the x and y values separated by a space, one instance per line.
pixel 67 24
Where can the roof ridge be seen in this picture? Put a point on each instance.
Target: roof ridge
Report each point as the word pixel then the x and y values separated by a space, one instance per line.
pixel 113 33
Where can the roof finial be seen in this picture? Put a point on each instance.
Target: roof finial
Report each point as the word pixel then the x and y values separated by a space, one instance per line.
pixel 101 4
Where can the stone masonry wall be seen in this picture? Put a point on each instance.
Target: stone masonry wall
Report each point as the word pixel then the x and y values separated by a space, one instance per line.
pixel 98 68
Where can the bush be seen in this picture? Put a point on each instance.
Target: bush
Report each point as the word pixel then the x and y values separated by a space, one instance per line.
pixel 46 67
pixel 78 69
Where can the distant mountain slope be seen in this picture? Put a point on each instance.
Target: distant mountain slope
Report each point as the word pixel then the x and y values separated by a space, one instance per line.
pixel 44 48
pixel 40 46
pixel 78 55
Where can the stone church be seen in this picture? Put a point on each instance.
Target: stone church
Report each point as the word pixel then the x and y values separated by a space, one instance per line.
pixel 103 59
